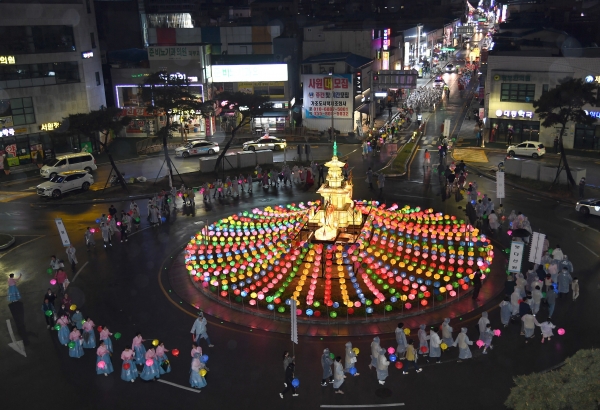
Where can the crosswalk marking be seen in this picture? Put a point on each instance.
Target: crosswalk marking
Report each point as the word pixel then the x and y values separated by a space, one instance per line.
pixel 469 155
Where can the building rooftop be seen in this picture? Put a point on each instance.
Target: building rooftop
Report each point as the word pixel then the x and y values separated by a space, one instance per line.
pixel 353 60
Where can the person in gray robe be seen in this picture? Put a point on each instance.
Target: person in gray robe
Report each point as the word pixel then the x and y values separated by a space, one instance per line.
pixel 435 351
pixel 423 341
pixel 483 321
pixel 505 311
pixel 566 263
pixel 326 363
pixel 447 332
pixel 375 348
pixel 382 367
pixel 401 340
pixel 338 375
pixel 350 359
pixel 564 282
pixel 463 343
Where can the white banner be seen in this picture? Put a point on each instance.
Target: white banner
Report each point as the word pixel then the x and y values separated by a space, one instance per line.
pixel 500 185
pixel 62 231
pixel 319 102
pixel 516 256
pixel 537 246
pixel 294 320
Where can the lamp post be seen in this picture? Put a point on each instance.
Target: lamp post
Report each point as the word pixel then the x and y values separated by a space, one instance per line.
pixel 332 89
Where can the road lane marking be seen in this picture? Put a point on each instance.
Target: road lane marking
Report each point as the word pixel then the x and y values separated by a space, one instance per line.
pixel 356 406
pixel 18 246
pixel 17 345
pixel 576 223
pixel 79 271
pixel 7 196
pixel 180 386
pixel 591 251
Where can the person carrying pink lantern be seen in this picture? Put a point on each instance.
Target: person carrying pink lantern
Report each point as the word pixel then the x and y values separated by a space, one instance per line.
pixel 105 338
pixel 546 327
pixel 89 238
pixel 486 337
pixel 103 364
pixel 151 370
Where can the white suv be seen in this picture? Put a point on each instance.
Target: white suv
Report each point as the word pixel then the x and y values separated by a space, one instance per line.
pixel 69 162
pixel 65 182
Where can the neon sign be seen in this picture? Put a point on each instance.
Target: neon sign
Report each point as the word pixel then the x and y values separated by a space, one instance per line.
pixel 514 114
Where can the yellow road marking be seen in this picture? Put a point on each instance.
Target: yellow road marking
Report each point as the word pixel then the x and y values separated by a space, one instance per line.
pixel 7 196
pixel 469 155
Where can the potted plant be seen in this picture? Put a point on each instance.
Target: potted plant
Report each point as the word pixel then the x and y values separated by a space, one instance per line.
pixel 6 165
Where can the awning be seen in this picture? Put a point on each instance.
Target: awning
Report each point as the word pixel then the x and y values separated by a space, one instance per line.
pixel 274 114
pixel 363 108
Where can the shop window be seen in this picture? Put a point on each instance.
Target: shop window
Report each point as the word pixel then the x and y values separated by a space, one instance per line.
pixel 22 111
pixel 515 92
pixel 98 82
pixel 545 88
pixel 44 74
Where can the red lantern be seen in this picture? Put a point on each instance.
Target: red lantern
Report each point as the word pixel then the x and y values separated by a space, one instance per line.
pixel 399 365
pixel 126 366
pixel 175 352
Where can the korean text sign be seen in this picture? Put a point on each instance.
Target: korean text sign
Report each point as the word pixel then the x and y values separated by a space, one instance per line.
pixel 318 99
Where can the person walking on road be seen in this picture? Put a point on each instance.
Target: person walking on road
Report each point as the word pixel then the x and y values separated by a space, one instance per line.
pixel 447 332
pixel 55 264
pixel 129 371
pixel 370 178
pixel 71 255
pixel 338 375
pixel 63 332
pixel 13 291
pixel 505 311
pixel 382 367
pixel 476 284
pixel 75 349
pixel 381 182
pixel 105 231
pixel 103 356
pixel 77 320
pixel 197 380
pixel 105 338
pixel 49 312
pixel 435 351
pixel 547 327
pixel 299 151
pixel 89 337
pixel 529 323
pixel 575 288
pixel 423 341
pixel 564 282
pixel 89 238
pixel 463 343
pixel 326 362
pixel 401 341
pixel 486 337
pixel 138 348
pixel 375 348
pixel 350 360
pixel 427 158
pixel 289 377
pixel 582 187
pixel 482 323
pixel 411 357
pixel 199 330
pixel 287 359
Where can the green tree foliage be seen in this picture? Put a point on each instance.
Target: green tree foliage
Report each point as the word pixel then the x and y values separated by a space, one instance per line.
pixel 170 95
pixel 97 121
pixel 574 386
pixel 247 106
pixel 563 104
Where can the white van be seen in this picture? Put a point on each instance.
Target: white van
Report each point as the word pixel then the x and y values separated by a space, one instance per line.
pixel 69 162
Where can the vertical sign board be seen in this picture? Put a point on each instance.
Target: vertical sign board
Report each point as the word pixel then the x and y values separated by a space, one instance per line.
pixel 294 321
pixel 500 185
pixel 516 256
pixel 62 231
pixel 537 247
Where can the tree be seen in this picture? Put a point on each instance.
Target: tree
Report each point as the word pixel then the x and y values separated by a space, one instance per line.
pixel 563 104
pixel 169 96
pixel 575 386
pixel 246 107
pixel 101 121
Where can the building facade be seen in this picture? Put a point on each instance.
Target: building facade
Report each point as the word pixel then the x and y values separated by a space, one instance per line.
pixel 514 82
pixel 50 67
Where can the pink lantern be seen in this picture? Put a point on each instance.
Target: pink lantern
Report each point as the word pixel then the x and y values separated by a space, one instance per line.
pixel 149 362
pixel 497 332
pixel 480 343
pixel 101 364
pixel 53 282
pixel 561 331
pixel 391 350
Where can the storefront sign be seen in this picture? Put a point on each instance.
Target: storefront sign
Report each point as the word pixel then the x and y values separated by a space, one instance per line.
pixel 87 54
pixel 358 82
pixel 592 79
pixel 386 38
pixel 7 132
pixel 49 126
pixel 174 53
pixel 247 73
pixel 516 77
pixel 136 112
pixel 7 60
pixel 593 114
pixel 514 114
pixel 325 95
pixel 21 130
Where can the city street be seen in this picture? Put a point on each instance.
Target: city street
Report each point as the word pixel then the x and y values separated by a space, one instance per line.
pixel 119 287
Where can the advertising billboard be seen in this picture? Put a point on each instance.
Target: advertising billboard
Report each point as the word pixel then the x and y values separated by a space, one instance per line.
pixel 249 73
pixel 319 102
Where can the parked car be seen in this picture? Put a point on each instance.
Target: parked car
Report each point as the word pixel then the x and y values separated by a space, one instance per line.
pixel 531 149
pixel 65 182
pixel 588 206
pixel 197 148
pixel 69 162
pixel 449 68
pixel 266 142
pixel 438 82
